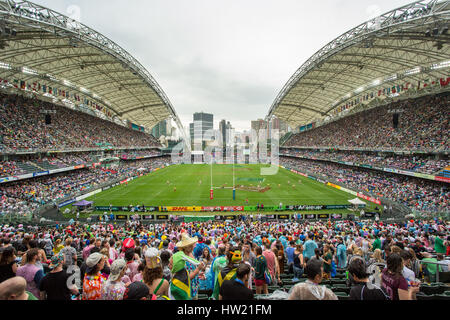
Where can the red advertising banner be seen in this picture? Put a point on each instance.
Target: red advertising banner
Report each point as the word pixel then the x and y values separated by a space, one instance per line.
pixel 222 209
pixel 443 179
pixel 369 198
pixel 211 195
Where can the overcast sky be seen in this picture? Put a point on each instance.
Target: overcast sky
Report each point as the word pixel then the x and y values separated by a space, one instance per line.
pixel 227 57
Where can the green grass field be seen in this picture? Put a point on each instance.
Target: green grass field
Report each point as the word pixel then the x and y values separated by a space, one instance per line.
pixel 193 182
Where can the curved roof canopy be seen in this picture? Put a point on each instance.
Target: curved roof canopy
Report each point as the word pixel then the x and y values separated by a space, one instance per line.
pixel 409 44
pixel 41 45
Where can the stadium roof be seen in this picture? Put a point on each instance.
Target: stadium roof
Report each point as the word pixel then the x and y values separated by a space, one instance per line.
pixel 406 45
pixel 38 45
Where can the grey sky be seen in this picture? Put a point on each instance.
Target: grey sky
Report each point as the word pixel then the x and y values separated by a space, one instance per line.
pixel 227 57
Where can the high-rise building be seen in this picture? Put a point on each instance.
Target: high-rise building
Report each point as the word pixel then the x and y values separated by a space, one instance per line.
pixel 259 125
pixel 225 129
pixel 202 123
pixel 160 129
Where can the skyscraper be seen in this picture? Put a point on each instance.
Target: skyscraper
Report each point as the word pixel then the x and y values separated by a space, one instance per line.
pixel 225 130
pixel 202 123
pixel 160 129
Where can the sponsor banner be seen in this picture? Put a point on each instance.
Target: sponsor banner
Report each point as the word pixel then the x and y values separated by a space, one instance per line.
pixel 334 185
pixel 366 166
pixel 349 191
pixel 162 217
pixel 336 216
pixel 363 196
pixel 147 217
pixel 124 181
pixel 121 217
pixel 230 218
pixel 424 176
pixel 283 217
pixel 87 195
pixel 9 179
pixel 323 216
pixel 151 209
pixel 106 188
pixel 369 214
pixel 184 209
pixel 306 208
pixel 312 178
pixel 42 173
pixel 442 179
pixel 107 208
pixel 310 216
pixel 271 217
pixel 219 218
pixel 66 203
pixel 81 166
pixel 321 181
pixel 345 206
pixel 61 170
pixel 232 209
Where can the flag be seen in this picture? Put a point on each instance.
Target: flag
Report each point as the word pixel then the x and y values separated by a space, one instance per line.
pixel 444 82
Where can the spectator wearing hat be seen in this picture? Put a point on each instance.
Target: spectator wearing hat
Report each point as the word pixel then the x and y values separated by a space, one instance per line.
pixel 93 280
pixel 153 273
pixel 234 258
pixel 237 289
pixel 185 270
pixel 54 285
pixel 311 288
pixel 15 289
pixel 114 288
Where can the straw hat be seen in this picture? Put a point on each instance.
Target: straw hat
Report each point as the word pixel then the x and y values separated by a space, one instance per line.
pixel 186 241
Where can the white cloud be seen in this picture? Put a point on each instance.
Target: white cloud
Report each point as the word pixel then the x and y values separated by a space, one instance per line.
pixel 230 58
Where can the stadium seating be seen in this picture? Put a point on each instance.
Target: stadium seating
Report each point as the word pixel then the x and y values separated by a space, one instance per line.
pixel 423 126
pixel 85 131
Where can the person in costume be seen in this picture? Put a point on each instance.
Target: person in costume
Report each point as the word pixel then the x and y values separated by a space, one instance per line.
pixel 234 258
pixel 185 270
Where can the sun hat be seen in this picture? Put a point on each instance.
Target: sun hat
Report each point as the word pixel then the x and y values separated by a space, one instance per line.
pixel 56 260
pixel 186 241
pixel 93 260
pixel 128 244
pixel 152 258
pixel 116 268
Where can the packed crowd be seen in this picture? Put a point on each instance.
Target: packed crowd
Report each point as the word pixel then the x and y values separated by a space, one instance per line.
pixel 222 260
pixel 27 195
pixel 423 125
pixel 421 164
pixel 22 126
pixel 419 194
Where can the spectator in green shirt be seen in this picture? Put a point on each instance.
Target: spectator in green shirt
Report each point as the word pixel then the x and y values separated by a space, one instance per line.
pixel 430 269
pixel 15 289
pixel 327 259
pixel 376 244
pixel 439 246
pixel 260 269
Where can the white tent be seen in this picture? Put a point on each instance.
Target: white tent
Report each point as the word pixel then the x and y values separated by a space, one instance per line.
pixel 356 201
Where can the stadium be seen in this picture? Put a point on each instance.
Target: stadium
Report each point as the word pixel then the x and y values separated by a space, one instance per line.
pixel 368 161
